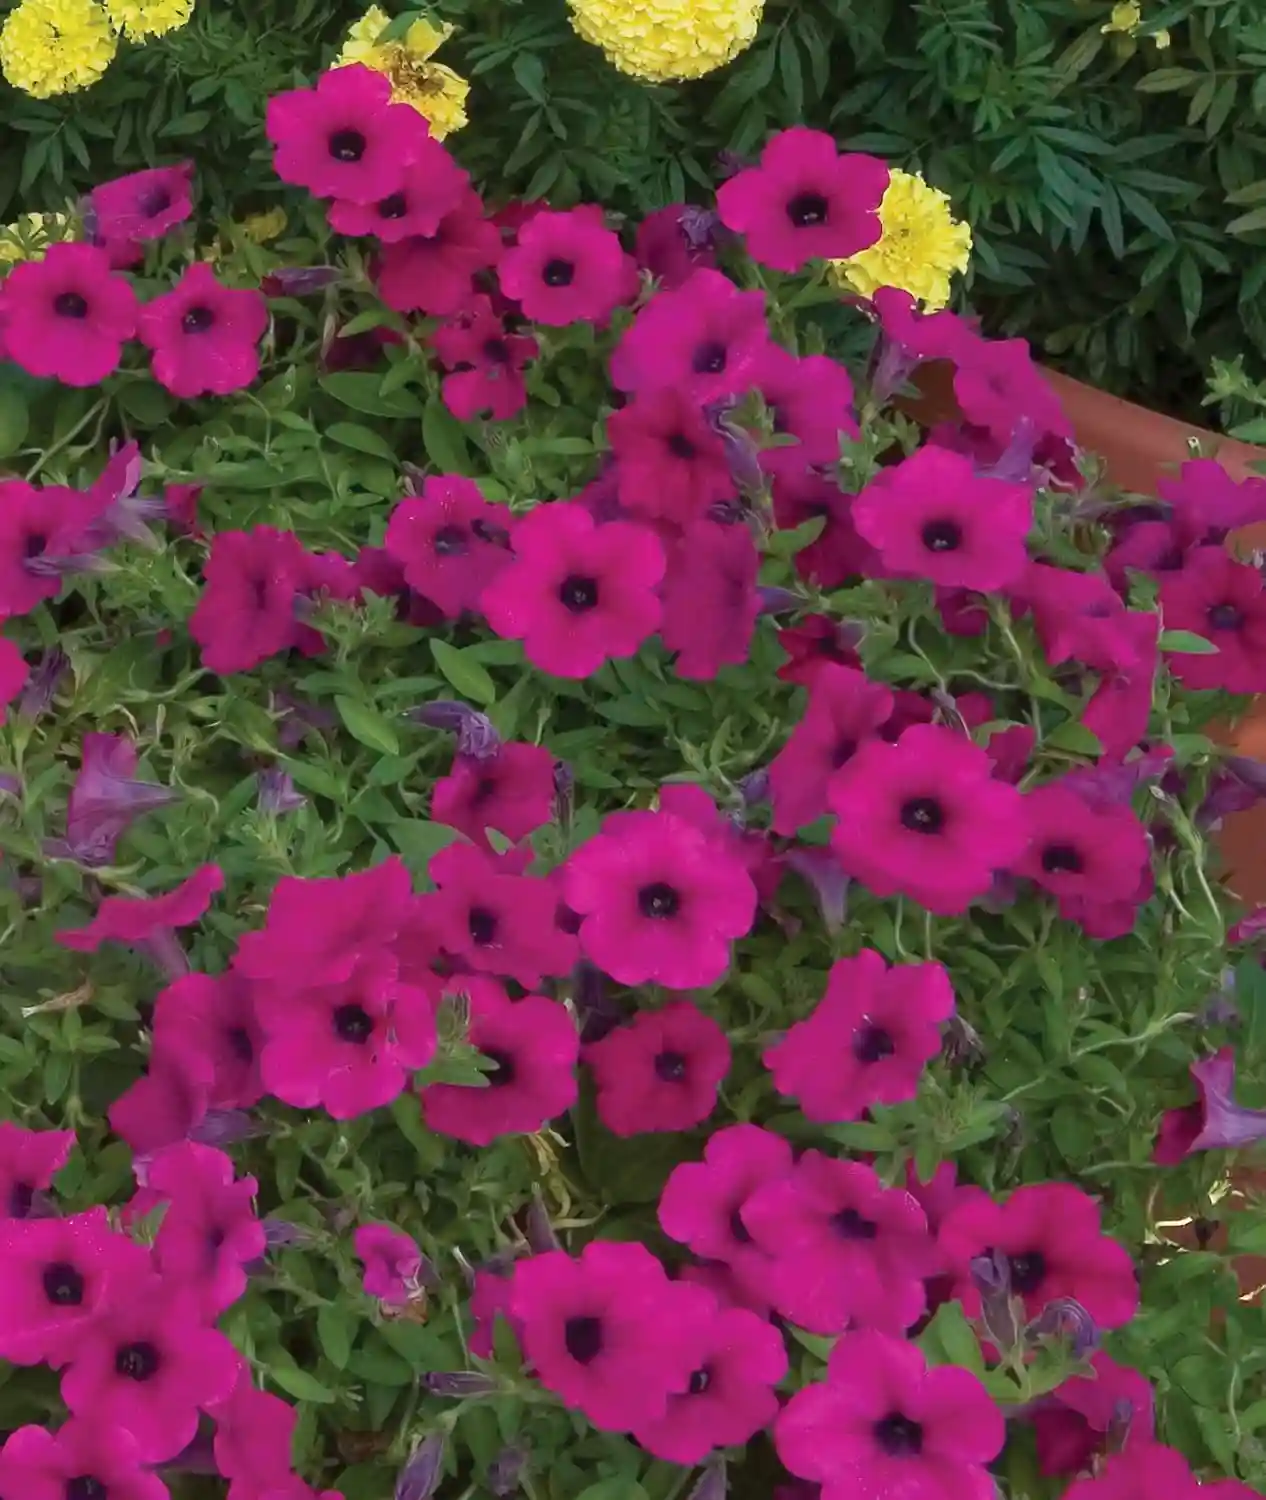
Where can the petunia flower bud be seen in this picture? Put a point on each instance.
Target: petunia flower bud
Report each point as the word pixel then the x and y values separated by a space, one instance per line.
pixel 420 1477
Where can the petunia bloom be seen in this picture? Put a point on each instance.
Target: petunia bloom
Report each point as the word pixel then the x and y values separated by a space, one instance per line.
pixel 451 542
pixel 866 1041
pixel 1215 1122
pixel 805 201
pixel 567 268
pixel 89 1456
pixel 391 1260
pixel 511 791
pixel 1073 1425
pixel 484 363
pixel 532 1046
pixel 430 186
pixel 710 598
pixel 254 1432
pixel 884 1423
pixel 926 818
pixel 141 205
pixel 659 901
pixel 1224 602
pixel 68 315
pixel 431 273
pixel 106 797
pixel 345 138
pixel 661 1071
pixel 577 594
pixel 204 335
pixel 1146 1470
pixel 671 463
pixel 141 919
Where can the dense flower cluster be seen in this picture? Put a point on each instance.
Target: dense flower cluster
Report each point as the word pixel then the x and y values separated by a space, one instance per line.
pixel 661 40
pixel 548 965
pixel 431 88
pixel 51 47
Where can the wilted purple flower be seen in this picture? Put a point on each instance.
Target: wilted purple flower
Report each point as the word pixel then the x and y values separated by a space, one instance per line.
pixel 1215 1121
pixel 42 683
pixel 741 451
pixel 712 1484
pixel 892 364
pixel 221 1127
pixel 1238 784
pixel 1114 785
pixel 476 735
pixel 505 1471
pixel 564 794
pixel 754 787
pixel 117 509
pixel 297 718
pixel 420 1477
pixel 459 1383
pixel 963 1046
pixel 1015 463
pixel 730 163
pixel 1222 1008
pixel 106 797
pixel 277 793
pixel 776 601
pixel 299 281
pixel 825 874
pixel 1001 1313
pixel 538 1231
pixel 1066 1318
pixel 699 225
pixel 599 1014
pixel 281 1233
pixel 10 785
pixel 1004 891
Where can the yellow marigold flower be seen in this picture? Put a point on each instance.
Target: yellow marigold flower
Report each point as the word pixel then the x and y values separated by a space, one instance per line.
pixel 920 249
pixel 664 39
pixel 260 228
pixel 31 235
pixel 1126 19
pixel 50 47
pixel 429 87
pixel 142 19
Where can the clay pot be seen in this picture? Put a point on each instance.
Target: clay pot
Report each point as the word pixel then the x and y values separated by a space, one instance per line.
pixel 1139 447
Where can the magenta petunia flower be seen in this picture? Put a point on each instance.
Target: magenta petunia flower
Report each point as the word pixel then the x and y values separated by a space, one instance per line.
pixel 1078 617
pixel 847 1251
pixel 1082 852
pixel 845 710
pixel 577 594
pixel 246 614
pixel 318 930
pixel 348 1045
pixel 926 818
pixel 710 598
pixel 489 1300
pixel 1072 1426
pixel 534 1045
pixel 805 201
pixel 660 902
pixel 706 338
pixel 762 862
pixel 345 138
pixel 14 673
pixel 391 1259
pixel 701 1204
pixel 215 1017
pixel 451 542
pixel 429 186
pixel 431 273
pixel 568 268
pixel 838 553
pixel 1051 1238
pixel 148 1364
pixel 511 791
pixel 1215 1121
pixel 484 363
pixel 932 516
pixel 998 387
pixel 810 399
pixel 730 1398
pixel 608 1333
pixel 210 1232
pixel 168 1101
pixel 204 335
pixel 141 205
pixel 1147 1470
pixel 54 1276
pixel 661 1071
pixel 671 464
pixel 254 1432
pixel 1207 503
pixel 86 1458
pixel 1223 601
pixel 866 1041
pixel 1120 709
pixel 143 919
pixel 884 1423
pixel 106 797
pixel 67 316
pixel 670 247
pixel 493 919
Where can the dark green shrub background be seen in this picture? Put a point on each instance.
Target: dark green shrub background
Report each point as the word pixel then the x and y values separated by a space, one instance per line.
pixel 1117 191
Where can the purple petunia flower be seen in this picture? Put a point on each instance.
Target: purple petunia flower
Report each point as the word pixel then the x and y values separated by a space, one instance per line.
pixel 105 798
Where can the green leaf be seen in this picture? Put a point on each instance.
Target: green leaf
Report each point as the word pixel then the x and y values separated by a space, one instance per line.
pixel 361 393
pixel 1248 223
pixel 1074 736
pixel 788 543
pixel 1166 80
pixel 419 840
pixel 1186 642
pixel 617 1487
pixel 367 725
pixel 950 1334
pixel 283 1372
pixel 14 420
pixel 353 435
pixel 468 676
pixel 444 439
pixel 334 1330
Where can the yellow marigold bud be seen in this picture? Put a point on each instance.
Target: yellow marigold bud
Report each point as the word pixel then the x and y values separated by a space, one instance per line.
pixel 922 245
pixel 260 228
pixel 50 47
pixel 665 39
pixel 142 19
pixel 435 91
